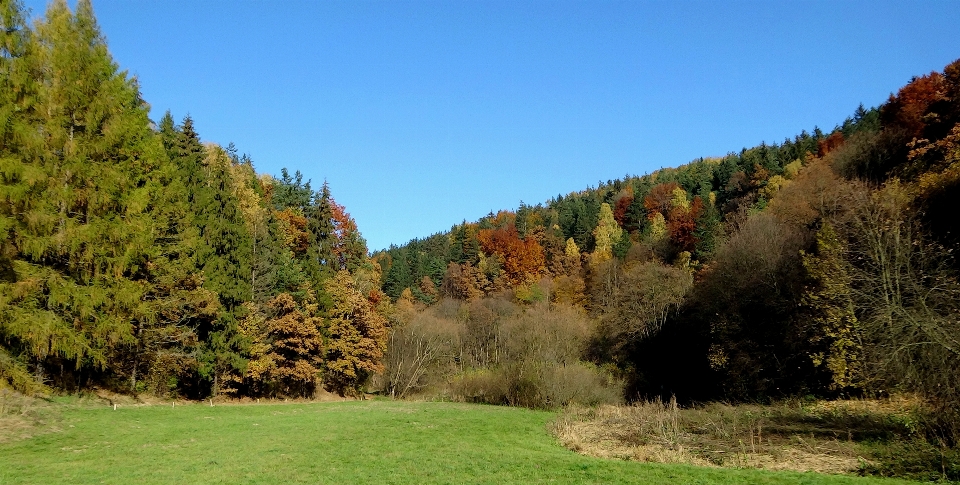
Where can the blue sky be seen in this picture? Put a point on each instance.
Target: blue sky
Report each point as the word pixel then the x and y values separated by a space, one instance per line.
pixel 421 114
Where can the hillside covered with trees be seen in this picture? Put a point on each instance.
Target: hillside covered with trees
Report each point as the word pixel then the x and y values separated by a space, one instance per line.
pixel 823 265
pixel 136 258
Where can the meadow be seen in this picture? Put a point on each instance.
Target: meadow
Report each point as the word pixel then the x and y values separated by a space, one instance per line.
pixel 386 442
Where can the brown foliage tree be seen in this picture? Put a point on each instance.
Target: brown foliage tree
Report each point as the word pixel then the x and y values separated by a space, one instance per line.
pixel 621 208
pixel 349 249
pixel 523 259
pixel 829 143
pixel 682 225
pixel 907 109
pixel 463 282
pixel 293 227
pixel 659 199
pixel 296 346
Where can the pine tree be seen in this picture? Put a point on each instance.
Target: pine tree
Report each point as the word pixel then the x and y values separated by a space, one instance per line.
pixel 224 258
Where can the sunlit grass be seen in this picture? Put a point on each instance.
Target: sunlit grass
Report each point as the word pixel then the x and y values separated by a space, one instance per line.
pixel 349 442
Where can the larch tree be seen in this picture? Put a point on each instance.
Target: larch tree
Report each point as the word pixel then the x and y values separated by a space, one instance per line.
pixel 76 197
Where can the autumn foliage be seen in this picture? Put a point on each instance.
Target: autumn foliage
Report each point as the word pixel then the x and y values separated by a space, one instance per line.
pixel 522 258
pixel 682 225
pixel 621 208
pixel 659 199
pixel 357 337
pixel 294 228
pixel 909 107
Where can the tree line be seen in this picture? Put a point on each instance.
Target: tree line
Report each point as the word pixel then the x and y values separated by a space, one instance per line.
pixel 135 257
pixel 823 265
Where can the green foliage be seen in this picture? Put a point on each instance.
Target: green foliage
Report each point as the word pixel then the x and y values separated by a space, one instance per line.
pixel 130 256
pixel 320 263
pixel 76 183
pixel 136 258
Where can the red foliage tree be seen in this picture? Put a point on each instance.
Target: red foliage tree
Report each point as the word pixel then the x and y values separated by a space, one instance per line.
pixel 659 199
pixel 682 225
pixel 621 208
pixel 907 109
pixel 829 143
pixel 522 258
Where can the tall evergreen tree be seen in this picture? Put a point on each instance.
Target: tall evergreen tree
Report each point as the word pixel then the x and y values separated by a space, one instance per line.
pixel 224 258
pixel 319 263
pixel 76 196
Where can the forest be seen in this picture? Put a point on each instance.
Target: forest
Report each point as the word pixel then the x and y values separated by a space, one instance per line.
pixel 135 258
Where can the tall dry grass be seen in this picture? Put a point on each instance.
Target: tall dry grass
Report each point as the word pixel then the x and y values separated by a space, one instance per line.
pixel 828 437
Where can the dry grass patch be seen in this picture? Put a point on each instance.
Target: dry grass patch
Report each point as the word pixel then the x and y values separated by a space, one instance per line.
pixel 836 437
pixel 23 417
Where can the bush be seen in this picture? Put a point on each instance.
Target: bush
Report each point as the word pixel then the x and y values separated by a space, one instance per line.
pixel 493 351
pixel 549 386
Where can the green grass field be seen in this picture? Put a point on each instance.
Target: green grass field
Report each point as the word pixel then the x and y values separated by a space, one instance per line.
pixel 337 443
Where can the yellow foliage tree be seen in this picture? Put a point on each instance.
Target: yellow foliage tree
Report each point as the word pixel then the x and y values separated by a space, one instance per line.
pixel 829 298
pixel 606 234
pixel 357 337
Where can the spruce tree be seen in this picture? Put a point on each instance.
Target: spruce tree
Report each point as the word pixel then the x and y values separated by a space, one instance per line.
pixel 319 260
pixel 224 259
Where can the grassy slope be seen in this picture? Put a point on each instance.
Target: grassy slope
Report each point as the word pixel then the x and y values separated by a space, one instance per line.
pixel 352 442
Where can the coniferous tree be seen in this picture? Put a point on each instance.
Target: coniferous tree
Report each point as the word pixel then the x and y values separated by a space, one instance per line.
pixel 224 258
pixel 319 263
pixel 76 165
pixel 223 249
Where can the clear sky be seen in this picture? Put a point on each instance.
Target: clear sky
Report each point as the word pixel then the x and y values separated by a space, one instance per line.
pixel 421 114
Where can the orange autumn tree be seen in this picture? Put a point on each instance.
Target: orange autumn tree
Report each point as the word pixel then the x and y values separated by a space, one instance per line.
pixel 349 249
pixel 621 208
pixel 909 108
pixel 296 346
pixel 659 199
pixel 523 259
pixel 293 230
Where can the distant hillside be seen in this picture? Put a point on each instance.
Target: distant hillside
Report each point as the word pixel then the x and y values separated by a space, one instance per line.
pixel 822 265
